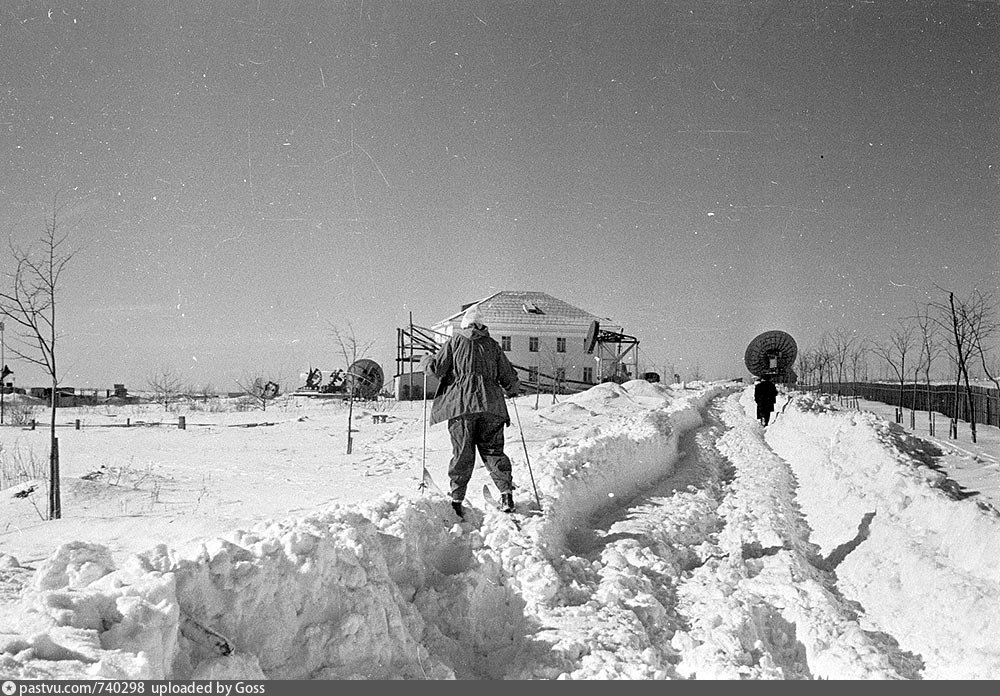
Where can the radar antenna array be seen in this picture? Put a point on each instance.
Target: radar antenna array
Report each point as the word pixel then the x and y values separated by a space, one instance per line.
pixel 590 341
pixel 364 378
pixel 596 336
pixel 608 348
pixel 772 353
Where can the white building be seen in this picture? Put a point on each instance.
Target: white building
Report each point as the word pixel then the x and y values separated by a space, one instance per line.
pixel 544 337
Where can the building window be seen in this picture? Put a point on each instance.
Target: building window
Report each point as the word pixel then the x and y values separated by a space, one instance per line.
pixel 560 345
pixel 533 375
pixel 505 343
pixel 531 308
pixel 533 344
pixel 588 375
pixel 560 374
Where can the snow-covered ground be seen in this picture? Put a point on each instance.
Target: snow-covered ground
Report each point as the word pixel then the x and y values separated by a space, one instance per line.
pixel 677 538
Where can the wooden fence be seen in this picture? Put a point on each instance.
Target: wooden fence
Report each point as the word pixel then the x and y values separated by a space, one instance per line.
pixel 941 398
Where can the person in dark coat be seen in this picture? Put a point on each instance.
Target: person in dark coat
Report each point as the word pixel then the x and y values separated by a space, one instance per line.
pixel 765 394
pixel 475 377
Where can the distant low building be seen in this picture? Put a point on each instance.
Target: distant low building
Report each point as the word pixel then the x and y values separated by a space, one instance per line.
pixel 66 396
pixel 71 396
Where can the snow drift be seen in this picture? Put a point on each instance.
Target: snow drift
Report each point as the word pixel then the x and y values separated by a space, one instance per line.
pixel 907 544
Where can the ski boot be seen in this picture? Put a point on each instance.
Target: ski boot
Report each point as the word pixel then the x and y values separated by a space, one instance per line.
pixel 507 502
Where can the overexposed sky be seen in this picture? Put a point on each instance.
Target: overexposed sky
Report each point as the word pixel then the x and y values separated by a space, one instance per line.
pixel 240 177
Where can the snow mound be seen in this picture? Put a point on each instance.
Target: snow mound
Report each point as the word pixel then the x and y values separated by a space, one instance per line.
pixel 899 533
pixel 385 590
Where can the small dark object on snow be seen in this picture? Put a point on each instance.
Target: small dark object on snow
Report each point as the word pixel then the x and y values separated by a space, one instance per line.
pixel 25 493
pixel 202 635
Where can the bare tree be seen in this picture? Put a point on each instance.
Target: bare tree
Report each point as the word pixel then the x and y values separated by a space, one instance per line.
pixel 840 344
pixel 261 390
pixel 822 361
pixel 930 348
pixel 30 304
pixel 165 385
pixel 969 324
pixel 558 363
pixel 205 392
pixel 894 352
pixel 984 328
pixel 805 367
pixel 858 359
pixel 351 347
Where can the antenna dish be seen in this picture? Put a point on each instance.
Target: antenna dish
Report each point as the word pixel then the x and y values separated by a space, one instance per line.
pixel 772 353
pixel 591 339
pixel 364 378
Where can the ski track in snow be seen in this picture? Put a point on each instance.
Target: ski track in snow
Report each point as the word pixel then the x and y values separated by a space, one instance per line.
pixel 679 540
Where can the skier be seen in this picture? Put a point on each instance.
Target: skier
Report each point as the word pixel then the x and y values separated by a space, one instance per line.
pixel 765 394
pixel 474 377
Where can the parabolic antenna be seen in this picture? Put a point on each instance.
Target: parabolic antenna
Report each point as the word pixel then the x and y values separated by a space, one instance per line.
pixel 364 379
pixel 772 353
pixel 590 341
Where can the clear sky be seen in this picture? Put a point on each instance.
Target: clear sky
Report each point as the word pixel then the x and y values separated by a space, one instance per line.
pixel 239 177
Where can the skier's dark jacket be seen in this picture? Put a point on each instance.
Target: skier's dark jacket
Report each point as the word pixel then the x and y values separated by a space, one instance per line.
pixel 475 376
pixel 765 393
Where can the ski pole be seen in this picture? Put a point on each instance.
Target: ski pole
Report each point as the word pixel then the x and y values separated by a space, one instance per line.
pixel 423 451
pixel 513 400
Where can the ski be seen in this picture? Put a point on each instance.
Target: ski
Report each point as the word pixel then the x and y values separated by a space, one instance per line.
pixel 491 499
pixel 427 484
pixel 488 496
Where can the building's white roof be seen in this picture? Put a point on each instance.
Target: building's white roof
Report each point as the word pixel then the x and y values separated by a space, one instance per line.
pixel 525 308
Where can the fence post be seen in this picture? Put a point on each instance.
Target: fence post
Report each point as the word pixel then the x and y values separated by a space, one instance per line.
pixel 181 423
pixel 55 494
pixel 77 424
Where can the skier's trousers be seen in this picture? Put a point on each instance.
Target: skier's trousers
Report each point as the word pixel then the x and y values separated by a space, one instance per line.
pixel 480 432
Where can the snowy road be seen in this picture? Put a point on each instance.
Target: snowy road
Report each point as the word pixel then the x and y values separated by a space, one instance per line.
pixel 679 540
pixel 700 568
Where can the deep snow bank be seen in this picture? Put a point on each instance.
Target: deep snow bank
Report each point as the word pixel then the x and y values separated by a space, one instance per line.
pixel 392 588
pixel 632 444
pixel 377 591
pixel 921 561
